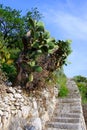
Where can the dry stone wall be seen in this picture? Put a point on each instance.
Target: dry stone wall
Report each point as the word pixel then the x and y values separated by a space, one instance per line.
pixel 22 111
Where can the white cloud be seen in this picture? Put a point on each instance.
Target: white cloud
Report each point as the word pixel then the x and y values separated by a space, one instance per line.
pixel 71 22
pixel 74 26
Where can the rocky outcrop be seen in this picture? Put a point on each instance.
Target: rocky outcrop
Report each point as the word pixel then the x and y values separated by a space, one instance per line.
pixel 20 110
pixel 68 114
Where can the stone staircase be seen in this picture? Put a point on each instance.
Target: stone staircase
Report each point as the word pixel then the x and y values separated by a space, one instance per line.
pixel 68 114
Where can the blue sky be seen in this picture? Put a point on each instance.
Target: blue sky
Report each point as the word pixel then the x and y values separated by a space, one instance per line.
pixel 65 19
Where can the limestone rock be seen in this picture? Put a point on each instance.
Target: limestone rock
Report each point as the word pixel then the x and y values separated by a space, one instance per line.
pixel 5 121
pixel 19 128
pixel 19 113
pixel 45 116
pixel 17 95
pixel 34 104
pixel 0 119
pixel 28 127
pixel 34 113
pixel 22 99
pixel 0 125
pixel 37 123
pixel 10 90
pixel 25 111
pixel 19 90
pixel 1 112
pixel 9 83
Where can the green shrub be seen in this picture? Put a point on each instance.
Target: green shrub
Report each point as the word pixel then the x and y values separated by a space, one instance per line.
pixel 61 79
pixel 82 85
pixel 7 60
pixel 10 71
pixel 80 78
pixel 83 90
pixel 63 91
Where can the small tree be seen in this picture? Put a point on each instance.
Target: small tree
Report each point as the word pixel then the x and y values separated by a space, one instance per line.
pixel 13 26
pixel 41 53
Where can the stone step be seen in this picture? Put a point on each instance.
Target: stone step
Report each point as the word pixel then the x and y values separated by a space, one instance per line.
pixel 66 120
pixel 68 110
pixel 70 103
pixel 58 129
pixel 69 100
pixel 69 115
pixel 74 107
pixel 71 126
pixel 75 111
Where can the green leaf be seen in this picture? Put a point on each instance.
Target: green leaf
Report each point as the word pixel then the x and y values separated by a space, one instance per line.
pixel 38 68
pixel 46 34
pixel 31 63
pixel 44 49
pixel 3 60
pixel 40 27
pixel 31 22
pixel 51 40
pixel 36 45
pixel 51 44
pixel 51 47
pixel 69 41
pixel 36 35
pixel 31 77
pixel 39 51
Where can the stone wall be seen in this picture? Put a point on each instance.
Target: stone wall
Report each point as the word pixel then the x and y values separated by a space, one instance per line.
pixel 20 110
